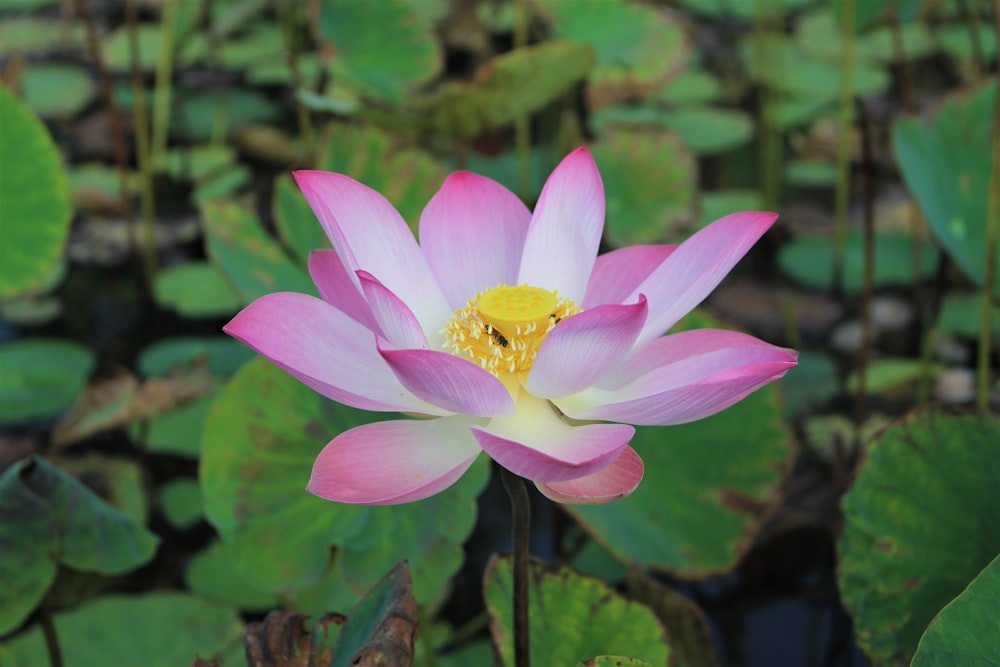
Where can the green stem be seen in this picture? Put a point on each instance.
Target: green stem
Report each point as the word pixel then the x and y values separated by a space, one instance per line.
pixel 521 509
pixel 522 124
pixel 842 196
pixel 164 77
pixel 51 637
pixel 868 160
pixel 144 159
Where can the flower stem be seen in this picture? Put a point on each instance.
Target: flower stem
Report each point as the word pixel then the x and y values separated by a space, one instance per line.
pixel 51 638
pixel 521 511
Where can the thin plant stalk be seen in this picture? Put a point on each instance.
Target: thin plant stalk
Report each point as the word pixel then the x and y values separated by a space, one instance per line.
pixel 992 234
pixel 51 637
pixel 164 79
pixel 770 58
pixel 522 124
pixel 286 17
pixel 842 195
pixel 521 509
pixel 868 160
pixel 144 159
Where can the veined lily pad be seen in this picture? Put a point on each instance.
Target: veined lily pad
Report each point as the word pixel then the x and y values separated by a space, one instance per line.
pixel 40 377
pixel 919 525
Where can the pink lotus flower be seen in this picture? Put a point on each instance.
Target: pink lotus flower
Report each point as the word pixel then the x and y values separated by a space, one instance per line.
pixel 507 333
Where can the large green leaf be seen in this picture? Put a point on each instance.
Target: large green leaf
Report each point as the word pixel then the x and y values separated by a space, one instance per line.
pixel 49 519
pixel 649 181
pixel 34 199
pixel 249 257
pixel 509 86
pixel 40 377
pixel 638 47
pixel 571 618
pixel 919 524
pixel 950 183
pixel 260 440
pixel 385 47
pixel 706 485
pixel 152 630
pixel 965 632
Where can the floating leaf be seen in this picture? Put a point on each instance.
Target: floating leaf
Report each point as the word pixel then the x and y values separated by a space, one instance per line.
pixel 252 260
pixel 41 377
pixel 716 204
pixel 614 661
pixel 223 356
pixel 215 114
pixel 180 500
pixel 259 444
pixel 963 632
pixel 649 181
pixel 297 224
pixel 507 87
pixel 212 575
pixel 919 525
pixel 811 173
pixel 34 199
pixel 961 314
pixel 692 86
pixel 951 184
pixel 31 35
pixel 178 432
pixel 56 90
pixel 809 259
pixel 196 289
pixel 385 47
pixel 706 130
pixel 175 629
pixel 52 519
pixel 638 47
pixel 719 474
pixel 745 9
pixel 571 618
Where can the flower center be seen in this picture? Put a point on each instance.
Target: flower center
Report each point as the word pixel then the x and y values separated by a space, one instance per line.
pixel 502 328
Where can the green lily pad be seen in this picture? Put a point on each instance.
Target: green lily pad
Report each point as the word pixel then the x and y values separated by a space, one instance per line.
pixel 211 574
pixel 297 224
pixel 57 90
pixel 745 9
pixel 197 163
pixel 809 260
pixel 247 255
pixel 719 474
pixel 31 35
pixel 614 661
pixel 174 630
pixel 716 204
pixel 223 185
pixel 223 356
pixel 692 86
pixel 571 618
pixel 707 130
pixel 811 173
pixel 34 199
pixel 52 519
pixel 258 447
pixel 385 47
pixel 508 86
pixel 956 40
pixel 180 500
pixel 919 525
pixel 196 289
pixel 961 314
pixel 649 181
pixel 951 185
pixel 639 47
pixel 178 432
pixel 215 114
pixel 811 384
pixel 41 377
pixel 963 631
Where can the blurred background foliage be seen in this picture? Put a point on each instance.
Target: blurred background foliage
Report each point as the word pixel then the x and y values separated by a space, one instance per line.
pixel 152 471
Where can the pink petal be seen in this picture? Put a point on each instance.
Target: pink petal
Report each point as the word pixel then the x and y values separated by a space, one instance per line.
pixel 370 235
pixel 565 231
pixel 613 482
pixel 617 273
pixel 472 233
pixel 391 462
pixel 337 287
pixel 696 267
pixel 584 347
pixel 536 443
pixel 449 382
pixel 399 326
pixel 677 390
pixel 326 350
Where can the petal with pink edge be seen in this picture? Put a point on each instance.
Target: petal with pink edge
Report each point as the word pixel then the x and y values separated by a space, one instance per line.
pixel 370 235
pixel 536 443
pixel 392 462
pixel 617 273
pixel 696 267
pixel 584 347
pixel 398 324
pixel 449 382
pixel 565 231
pixel 613 482
pixel 686 389
pixel 472 233
pixel 337 287
pixel 326 350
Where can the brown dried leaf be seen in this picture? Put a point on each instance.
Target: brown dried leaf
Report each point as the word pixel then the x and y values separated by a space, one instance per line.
pixel 283 641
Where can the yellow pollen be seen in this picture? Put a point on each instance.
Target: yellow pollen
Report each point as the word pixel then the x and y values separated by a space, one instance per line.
pixel 502 328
